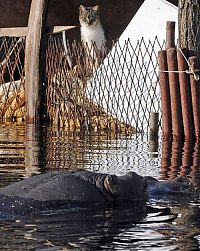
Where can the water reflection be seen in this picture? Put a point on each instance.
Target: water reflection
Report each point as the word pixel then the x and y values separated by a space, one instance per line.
pixel 100 229
pixel 135 228
pixel 99 152
pixel 180 158
pixel 25 151
pixel 32 150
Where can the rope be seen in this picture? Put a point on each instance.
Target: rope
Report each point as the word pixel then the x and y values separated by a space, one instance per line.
pixel 186 71
pixel 190 71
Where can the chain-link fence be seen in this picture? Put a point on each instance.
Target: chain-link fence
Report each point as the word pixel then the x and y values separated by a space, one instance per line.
pixel 12 94
pixel 116 92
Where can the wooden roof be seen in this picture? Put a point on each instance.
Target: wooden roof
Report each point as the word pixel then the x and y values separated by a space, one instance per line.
pixel 115 14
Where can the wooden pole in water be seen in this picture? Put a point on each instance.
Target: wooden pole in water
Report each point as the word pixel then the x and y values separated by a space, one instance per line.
pixel 185 94
pixel 195 93
pixel 177 123
pixel 165 95
pixel 154 124
pixel 153 133
pixel 33 82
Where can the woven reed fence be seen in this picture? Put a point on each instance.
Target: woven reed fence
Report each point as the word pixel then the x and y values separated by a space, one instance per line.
pixel 115 92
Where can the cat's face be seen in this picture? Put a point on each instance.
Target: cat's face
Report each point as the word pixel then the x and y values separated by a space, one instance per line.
pixel 89 15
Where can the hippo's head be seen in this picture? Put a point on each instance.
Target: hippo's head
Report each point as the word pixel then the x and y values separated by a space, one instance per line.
pixel 127 187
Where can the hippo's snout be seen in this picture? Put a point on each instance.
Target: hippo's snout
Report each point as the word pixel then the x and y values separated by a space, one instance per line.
pixel 177 188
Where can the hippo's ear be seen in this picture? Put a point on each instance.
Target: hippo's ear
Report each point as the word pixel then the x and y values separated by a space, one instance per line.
pixel 112 185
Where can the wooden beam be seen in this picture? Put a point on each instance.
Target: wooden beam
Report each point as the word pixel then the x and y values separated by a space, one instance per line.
pixel 33 82
pixel 13 32
pixel 23 31
pixel 57 29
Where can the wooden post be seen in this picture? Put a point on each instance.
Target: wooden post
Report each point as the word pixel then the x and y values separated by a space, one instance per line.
pixel 154 124
pixel 195 92
pixel 165 95
pixel 153 133
pixel 177 123
pixel 185 93
pixel 36 25
pixel 170 35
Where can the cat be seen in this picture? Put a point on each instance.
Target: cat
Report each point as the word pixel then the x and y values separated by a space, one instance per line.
pixel 92 34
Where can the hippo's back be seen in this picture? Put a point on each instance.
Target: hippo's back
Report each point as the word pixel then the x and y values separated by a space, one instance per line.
pixel 54 186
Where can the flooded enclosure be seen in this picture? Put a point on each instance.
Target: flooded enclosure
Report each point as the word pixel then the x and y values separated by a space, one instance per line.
pixel 144 226
pixel 96 108
pixel 97 127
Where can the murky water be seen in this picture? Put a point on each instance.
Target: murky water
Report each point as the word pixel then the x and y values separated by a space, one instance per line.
pixel 24 152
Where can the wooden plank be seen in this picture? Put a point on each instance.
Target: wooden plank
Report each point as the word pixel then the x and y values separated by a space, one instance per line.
pixel 23 31
pixel 33 82
pixel 13 32
pixel 57 29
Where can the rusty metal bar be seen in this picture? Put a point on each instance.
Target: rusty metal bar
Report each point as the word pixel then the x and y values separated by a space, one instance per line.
pixel 177 123
pixel 185 94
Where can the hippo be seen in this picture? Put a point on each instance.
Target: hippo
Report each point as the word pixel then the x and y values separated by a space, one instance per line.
pixel 69 188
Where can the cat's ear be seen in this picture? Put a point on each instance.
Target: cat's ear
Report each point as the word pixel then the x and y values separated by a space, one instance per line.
pixel 96 8
pixel 81 8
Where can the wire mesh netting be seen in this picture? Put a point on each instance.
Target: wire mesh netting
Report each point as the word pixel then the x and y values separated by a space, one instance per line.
pixel 114 89
pixel 111 88
pixel 12 91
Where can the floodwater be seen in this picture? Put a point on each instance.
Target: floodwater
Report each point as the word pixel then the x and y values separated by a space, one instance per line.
pixel 146 226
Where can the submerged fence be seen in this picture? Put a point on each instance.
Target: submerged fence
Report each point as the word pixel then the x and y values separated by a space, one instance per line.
pixel 114 91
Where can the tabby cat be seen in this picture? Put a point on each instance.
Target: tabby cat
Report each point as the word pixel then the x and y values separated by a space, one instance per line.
pixel 92 33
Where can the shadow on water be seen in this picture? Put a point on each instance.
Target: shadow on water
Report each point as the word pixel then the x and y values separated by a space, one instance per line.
pixel 26 151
